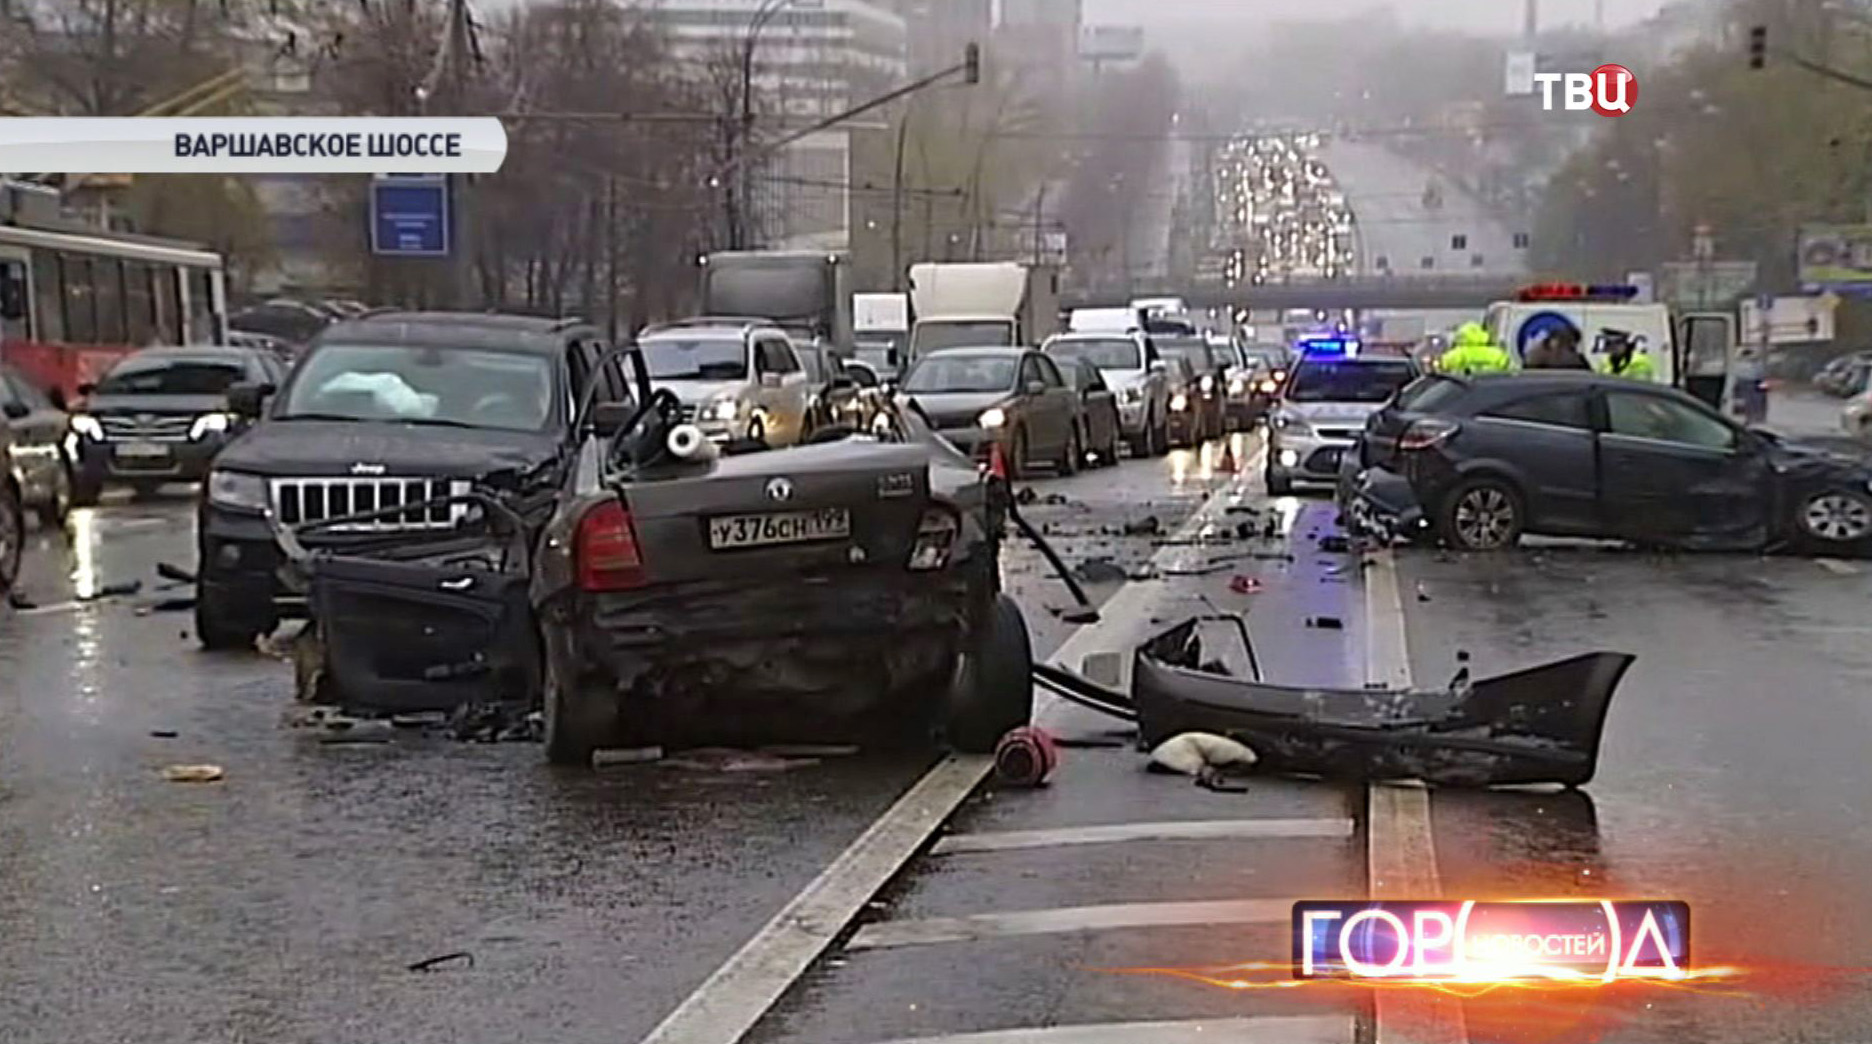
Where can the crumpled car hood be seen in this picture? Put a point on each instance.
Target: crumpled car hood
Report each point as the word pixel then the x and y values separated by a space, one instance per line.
pixel 313 448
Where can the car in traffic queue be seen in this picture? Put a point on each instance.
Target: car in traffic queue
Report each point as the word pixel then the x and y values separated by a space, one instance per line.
pixel 1014 398
pixel 835 395
pixel 1135 371
pixel 1186 423
pixel 1323 407
pixel 1477 462
pixel 737 378
pixel 849 586
pixel 1270 363
pixel 1203 411
pixel 39 447
pixel 1099 429
pixel 161 415
pixel 386 410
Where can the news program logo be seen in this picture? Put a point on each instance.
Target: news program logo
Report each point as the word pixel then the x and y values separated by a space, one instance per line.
pixel 1470 941
pixel 1610 90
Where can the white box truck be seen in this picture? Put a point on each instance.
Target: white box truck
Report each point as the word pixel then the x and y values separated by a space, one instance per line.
pixel 880 331
pixel 982 304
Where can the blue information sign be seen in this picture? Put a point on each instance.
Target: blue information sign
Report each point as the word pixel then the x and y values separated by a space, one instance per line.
pixel 409 215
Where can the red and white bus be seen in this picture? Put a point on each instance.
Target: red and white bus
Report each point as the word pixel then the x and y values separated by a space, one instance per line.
pixel 73 302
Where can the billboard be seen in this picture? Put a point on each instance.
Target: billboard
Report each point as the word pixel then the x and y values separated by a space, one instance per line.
pixel 1835 257
pixel 1111 43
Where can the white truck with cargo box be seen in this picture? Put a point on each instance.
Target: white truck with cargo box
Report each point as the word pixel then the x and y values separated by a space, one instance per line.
pixel 982 304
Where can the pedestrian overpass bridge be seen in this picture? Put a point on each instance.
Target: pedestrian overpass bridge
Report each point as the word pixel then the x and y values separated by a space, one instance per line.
pixel 1360 293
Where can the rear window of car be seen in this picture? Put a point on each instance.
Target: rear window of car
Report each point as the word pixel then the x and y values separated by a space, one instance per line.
pixel 1429 394
pixel 1335 381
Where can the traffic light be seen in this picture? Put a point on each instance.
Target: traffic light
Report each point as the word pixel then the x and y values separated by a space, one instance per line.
pixel 1758 46
pixel 971 63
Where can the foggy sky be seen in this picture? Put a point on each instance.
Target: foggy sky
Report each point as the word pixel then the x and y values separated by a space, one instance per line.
pixel 1481 16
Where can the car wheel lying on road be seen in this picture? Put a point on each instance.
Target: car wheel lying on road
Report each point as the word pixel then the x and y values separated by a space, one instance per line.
pixel 1836 519
pixel 994 688
pixel 1481 514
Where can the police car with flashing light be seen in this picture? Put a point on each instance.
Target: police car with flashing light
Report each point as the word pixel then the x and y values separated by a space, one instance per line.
pixel 1323 405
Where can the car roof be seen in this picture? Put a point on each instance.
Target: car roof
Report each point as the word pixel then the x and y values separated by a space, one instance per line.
pixel 985 351
pixel 452 330
pixel 1494 386
pixel 198 353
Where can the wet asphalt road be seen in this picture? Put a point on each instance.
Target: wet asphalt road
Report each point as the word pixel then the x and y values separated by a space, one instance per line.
pixel 286 902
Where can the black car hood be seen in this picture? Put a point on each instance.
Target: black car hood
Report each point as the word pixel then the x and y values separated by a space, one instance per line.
pixel 313 448
pixel 158 405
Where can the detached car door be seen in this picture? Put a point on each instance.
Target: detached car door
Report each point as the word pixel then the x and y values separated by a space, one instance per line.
pixel 1675 472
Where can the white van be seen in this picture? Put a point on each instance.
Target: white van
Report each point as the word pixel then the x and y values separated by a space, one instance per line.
pixel 1519 324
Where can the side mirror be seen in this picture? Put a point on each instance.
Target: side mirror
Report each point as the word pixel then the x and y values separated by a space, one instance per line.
pixel 246 399
pixel 15 410
pixel 609 418
pixel 57 397
pixel 770 380
pixel 1036 387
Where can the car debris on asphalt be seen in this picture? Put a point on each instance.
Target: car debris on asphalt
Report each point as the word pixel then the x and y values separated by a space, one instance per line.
pixel 194 773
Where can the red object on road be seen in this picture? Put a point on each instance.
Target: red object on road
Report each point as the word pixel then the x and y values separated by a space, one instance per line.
pixel 1026 757
pixel 1244 584
pixel 997 464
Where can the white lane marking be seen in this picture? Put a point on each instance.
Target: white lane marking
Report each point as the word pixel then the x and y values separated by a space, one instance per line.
pixel 1265 1029
pixel 1400 848
pixel 729 1002
pixel 1837 567
pixel 1111 833
pixel 55 607
pixel 928 930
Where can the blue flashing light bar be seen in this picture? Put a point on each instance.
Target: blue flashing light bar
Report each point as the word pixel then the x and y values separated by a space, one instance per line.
pixel 1329 347
pixel 1577 292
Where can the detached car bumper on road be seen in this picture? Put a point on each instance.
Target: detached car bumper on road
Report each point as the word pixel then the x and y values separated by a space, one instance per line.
pixel 1376 501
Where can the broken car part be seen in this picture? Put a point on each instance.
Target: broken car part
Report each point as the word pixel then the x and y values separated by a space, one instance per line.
pixel 1539 725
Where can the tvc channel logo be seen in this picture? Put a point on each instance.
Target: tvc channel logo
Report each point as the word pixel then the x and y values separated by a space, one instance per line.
pixel 1610 90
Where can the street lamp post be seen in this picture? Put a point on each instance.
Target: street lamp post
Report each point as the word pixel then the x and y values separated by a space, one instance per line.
pixel 740 194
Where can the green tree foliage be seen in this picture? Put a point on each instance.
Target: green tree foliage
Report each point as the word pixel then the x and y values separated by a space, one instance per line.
pixel 1752 154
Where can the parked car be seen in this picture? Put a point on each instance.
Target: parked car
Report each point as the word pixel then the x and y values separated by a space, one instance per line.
pixel 1856 415
pixel 1137 375
pixel 12 517
pixel 1014 398
pixel 1845 375
pixel 1320 412
pixel 1207 392
pixel 38 451
pixel 1270 362
pixel 736 378
pixel 1478 462
pixel 389 409
pixel 1098 412
pixel 834 390
pixel 1186 415
pixel 1238 402
pixel 161 415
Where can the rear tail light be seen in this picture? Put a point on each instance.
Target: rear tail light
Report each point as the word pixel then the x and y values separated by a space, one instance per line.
pixel 607 554
pixel 935 540
pixel 1426 434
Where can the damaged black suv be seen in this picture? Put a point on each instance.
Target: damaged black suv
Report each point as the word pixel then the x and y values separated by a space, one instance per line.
pixel 381 411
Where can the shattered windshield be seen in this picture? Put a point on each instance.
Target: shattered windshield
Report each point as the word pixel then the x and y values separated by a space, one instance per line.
pixel 962 373
pixel 696 358
pixel 510 391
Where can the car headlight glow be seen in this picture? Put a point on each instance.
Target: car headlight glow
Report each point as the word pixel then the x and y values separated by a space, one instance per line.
pixel 1237 386
pixel 210 423
pixel 1179 402
pixel 87 425
pixel 237 489
pixel 994 417
pixel 1207 384
pixel 724 409
pixel 1292 422
pixel 1270 385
